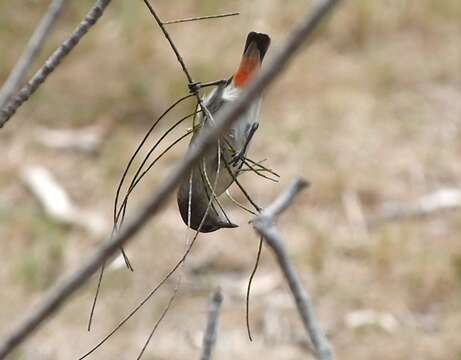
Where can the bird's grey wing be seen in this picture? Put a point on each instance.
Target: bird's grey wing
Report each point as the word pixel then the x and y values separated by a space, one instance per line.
pixel 214 101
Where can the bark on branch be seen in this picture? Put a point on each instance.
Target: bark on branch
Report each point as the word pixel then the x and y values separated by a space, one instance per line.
pixel 32 49
pixel 7 111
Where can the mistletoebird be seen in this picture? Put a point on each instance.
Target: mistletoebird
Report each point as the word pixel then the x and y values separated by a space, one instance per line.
pixel 221 164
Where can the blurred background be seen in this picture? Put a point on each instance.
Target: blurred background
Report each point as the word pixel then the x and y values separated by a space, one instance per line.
pixel 370 114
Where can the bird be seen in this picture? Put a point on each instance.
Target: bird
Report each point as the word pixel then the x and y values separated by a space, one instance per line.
pixel 221 164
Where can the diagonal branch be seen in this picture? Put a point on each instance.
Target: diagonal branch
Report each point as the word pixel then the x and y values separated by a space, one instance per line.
pixel 7 111
pixel 170 41
pixel 68 285
pixel 264 225
pixel 32 49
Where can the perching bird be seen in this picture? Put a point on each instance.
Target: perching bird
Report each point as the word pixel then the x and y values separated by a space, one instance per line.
pixel 196 189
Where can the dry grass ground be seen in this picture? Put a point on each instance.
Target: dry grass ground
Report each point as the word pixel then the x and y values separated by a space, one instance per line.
pixel 372 111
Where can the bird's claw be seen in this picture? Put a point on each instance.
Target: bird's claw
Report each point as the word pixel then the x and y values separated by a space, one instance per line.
pixel 194 87
pixel 236 158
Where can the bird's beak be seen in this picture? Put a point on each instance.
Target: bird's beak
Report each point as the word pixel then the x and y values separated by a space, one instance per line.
pixel 227 225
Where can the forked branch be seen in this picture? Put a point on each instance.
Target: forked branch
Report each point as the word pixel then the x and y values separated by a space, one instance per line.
pixel 264 225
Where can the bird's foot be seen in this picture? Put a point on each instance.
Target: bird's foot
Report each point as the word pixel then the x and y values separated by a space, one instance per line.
pixel 238 158
pixel 196 86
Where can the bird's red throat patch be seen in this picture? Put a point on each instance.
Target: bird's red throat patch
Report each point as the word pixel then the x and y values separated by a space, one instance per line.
pixel 248 67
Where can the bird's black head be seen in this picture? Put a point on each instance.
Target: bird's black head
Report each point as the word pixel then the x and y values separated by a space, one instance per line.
pixel 261 40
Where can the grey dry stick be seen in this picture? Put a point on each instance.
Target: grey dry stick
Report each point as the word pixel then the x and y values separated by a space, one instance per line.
pixel 7 111
pixel 32 49
pixel 264 225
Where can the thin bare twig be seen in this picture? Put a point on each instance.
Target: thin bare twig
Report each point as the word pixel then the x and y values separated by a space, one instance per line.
pixel 264 225
pixel 157 323
pixel 138 149
pixel 170 41
pixel 143 301
pixel 258 172
pixel 121 212
pixel 177 266
pixel 32 49
pixel 210 336
pixel 250 281
pixel 120 217
pixel 7 111
pixel 200 18
pixel 67 285
pixel 240 205
pixel 262 167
